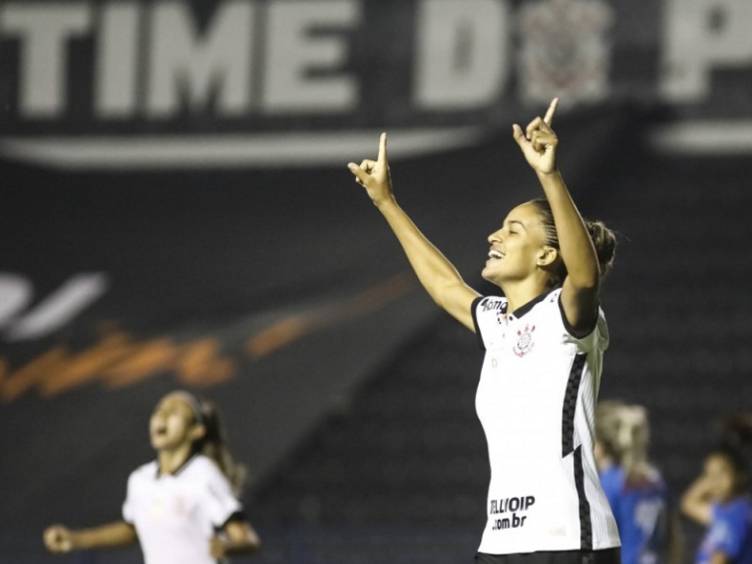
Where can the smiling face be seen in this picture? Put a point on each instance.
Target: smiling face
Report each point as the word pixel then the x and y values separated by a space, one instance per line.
pixel 518 250
pixel 173 423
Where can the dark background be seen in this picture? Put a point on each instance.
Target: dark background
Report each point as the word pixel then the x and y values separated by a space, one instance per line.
pixel 344 389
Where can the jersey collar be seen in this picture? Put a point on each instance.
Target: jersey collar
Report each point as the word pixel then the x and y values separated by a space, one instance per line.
pixel 179 469
pixel 522 310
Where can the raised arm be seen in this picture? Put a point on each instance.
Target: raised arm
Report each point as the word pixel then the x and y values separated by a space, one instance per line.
pixel 696 501
pixel 59 539
pixel 579 295
pixel 437 275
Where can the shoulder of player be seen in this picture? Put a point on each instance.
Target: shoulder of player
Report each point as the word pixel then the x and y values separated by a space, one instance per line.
pixel 201 465
pixel 554 297
pixel 485 304
pixel 546 304
pixel 737 508
pixel 551 307
pixel 146 470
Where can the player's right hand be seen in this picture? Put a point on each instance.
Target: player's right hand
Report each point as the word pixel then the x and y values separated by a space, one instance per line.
pixel 374 176
pixel 58 539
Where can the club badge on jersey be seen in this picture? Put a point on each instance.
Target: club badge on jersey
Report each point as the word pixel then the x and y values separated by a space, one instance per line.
pixel 525 341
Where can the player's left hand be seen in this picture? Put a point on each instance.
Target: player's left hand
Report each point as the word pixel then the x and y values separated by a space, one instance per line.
pixel 58 539
pixel 538 141
pixel 217 548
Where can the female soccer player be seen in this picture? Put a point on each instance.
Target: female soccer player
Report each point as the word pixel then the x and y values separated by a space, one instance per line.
pixel 635 488
pixel 720 500
pixel 544 343
pixel 181 507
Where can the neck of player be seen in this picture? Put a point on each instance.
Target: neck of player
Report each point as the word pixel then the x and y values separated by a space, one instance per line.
pixel 520 292
pixel 171 459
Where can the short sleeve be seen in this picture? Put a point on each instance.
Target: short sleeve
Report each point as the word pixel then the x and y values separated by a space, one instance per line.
pixel 486 311
pixel 597 337
pixel 727 533
pixel 220 501
pixel 474 312
pixel 127 511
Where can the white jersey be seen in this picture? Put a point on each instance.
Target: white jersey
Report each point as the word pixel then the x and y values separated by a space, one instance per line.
pixel 175 515
pixel 535 400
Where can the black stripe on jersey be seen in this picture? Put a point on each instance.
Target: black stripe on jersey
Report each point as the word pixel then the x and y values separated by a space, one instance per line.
pixel 474 312
pixel 570 404
pixel 586 526
pixel 234 517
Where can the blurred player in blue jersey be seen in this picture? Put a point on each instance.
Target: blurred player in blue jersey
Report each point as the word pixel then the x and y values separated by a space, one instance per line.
pixel 634 488
pixel 720 499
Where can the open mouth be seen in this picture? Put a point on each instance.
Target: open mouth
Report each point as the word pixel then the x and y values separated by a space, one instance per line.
pixel 495 254
pixel 160 430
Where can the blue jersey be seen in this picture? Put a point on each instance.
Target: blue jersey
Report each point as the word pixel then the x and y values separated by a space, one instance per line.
pixel 730 532
pixel 640 510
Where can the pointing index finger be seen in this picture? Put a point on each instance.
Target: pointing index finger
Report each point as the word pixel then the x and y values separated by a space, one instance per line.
pixel 382 148
pixel 551 111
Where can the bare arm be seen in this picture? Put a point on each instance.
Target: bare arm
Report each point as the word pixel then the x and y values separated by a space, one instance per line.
pixel 59 539
pixel 579 295
pixel 437 275
pixel 238 538
pixel 695 502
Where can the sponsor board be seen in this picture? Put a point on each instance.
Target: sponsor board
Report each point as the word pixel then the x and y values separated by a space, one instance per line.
pixel 130 84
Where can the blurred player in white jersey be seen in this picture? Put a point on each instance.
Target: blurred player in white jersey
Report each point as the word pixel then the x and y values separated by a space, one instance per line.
pixel 182 508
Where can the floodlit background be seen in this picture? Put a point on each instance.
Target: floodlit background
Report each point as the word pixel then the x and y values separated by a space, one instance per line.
pixel 176 212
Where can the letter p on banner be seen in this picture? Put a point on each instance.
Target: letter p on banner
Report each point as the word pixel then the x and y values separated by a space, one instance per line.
pixel 699 36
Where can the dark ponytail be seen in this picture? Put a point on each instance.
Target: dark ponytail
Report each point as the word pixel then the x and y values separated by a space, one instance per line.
pixel 736 445
pixel 738 462
pixel 604 241
pixel 214 445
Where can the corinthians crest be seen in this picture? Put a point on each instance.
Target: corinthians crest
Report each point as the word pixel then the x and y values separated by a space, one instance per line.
pixel 565 51
pixel 525 341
